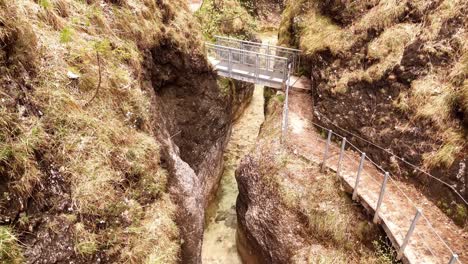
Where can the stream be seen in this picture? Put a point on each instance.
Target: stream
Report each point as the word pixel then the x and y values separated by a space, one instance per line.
pixel 219 241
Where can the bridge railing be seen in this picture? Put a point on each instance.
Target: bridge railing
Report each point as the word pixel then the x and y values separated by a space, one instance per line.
pixel 293 55
pixel 238 58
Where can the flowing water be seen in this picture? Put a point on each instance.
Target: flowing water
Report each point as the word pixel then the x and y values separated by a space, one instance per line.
pixel 219 241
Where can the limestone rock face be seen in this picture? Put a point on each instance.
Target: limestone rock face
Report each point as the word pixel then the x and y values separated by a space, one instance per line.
pixel 193 119
pixel 268 232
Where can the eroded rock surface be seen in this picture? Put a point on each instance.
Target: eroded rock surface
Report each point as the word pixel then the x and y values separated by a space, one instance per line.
pixel 194 119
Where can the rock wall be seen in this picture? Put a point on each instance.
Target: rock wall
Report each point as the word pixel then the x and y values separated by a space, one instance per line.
pixel 268 231
pixel 193 117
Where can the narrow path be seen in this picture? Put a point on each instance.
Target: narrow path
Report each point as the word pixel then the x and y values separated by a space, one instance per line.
pixel 219 241
pixel 396 212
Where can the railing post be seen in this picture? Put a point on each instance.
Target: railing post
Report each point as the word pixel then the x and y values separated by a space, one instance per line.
pixel 285 73
pixel 230 63
pixel 401 251
pixel 381 196
pixel 256 68
pixel 268 58
pixel 243 52
pixel 453 259
pixel 358 175
pixel 286 110
pixel 325 154
pixel 285 119
pixel 298 61
pixel 340 160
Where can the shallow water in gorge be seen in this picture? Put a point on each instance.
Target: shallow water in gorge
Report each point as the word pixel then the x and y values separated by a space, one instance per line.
pixel 219 242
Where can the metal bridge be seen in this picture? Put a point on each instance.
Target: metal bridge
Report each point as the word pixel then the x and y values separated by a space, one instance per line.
pixel 257 63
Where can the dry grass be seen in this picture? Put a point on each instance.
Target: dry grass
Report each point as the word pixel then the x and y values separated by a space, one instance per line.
pixel 319 33
pixel 388 48
pixel 152 240
pixel 20 138
pixel 10 252
pixel 292 10
pixel 446 10
pixel 432 99
pixel 226 17
pixel 106 151
pixel 383 15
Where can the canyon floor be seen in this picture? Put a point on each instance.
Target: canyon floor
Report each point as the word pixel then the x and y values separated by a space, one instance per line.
pixel 219 241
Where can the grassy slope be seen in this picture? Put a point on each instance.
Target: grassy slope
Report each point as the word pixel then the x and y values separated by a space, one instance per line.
pixel 438 94
pixel 91 135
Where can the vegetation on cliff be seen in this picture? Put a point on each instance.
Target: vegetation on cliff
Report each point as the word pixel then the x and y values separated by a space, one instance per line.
pixel 80 171
pixel 226 17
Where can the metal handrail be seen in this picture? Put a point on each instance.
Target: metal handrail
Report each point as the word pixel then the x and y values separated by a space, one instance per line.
pixel 246 51
pixel 293 55
pixel 257 43
pixel 258 61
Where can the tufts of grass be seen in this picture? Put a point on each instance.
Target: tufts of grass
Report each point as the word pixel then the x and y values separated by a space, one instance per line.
pixel 330 226
pixel 10 251
pixel 226 17
pixel 383 15
pixel 19 41
pixel 384 253
pixel 459 82
pixel 336 257
pixel 320 33
pixel 448 152
pixel 20 141
pixel 86 244
pixel 446 10
pixel 66 35
pixel 288 23
pixel 152 240
pixel 434 100
pixel 389 47
pixel 387 50
pixel 226 85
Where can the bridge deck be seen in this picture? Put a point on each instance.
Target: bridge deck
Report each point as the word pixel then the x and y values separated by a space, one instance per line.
pixel 248 73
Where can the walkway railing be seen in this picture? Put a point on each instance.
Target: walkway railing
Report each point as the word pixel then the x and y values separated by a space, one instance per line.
pixel 293 55
pixel 411 226
pixel 418 224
